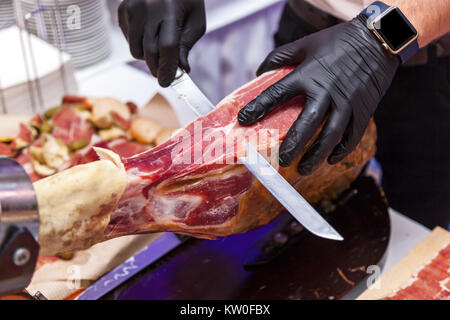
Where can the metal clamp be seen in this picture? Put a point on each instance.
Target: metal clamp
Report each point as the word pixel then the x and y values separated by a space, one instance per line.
pixel 19 227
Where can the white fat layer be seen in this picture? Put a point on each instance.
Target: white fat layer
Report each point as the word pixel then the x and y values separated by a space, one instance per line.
pixel 167 208
pixel 445 284
pixel 134 173
pixel 28 167
pixel 95 139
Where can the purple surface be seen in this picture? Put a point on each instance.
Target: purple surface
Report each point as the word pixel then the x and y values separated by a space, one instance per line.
pixel 131 266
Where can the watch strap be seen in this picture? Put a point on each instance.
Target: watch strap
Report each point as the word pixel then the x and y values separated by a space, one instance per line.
pixel 374 10
pixel 409 52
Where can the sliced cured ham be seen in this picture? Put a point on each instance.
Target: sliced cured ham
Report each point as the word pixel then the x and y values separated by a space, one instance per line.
pixel 192 184
pixel 71 126
pixel 24 138
pixel 6 150
pixel 70 133
pixel 431 282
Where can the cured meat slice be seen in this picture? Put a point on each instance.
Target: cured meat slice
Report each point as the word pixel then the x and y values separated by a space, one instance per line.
pixel 24 138
pixel 192 184
pixel 431 282
pixel 6 150
pixel 71 126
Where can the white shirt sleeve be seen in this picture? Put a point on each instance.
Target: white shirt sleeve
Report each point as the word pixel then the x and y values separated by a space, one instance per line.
pixel 342 9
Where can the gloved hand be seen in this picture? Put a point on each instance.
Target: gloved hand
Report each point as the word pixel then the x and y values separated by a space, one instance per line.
pixel 162 32
pixel 344 72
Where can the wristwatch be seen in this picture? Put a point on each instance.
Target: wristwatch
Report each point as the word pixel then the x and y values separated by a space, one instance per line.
pixel 393 29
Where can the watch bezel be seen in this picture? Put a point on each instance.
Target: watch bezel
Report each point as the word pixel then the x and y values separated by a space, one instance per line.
pixel 384 41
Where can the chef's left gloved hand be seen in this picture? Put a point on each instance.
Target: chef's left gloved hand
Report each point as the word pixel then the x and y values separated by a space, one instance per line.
pixel 162 32
pixel 344 72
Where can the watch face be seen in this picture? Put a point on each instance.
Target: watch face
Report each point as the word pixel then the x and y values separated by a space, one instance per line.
pixel 395 29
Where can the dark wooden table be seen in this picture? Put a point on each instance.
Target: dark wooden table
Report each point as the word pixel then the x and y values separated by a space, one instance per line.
pixel 305 267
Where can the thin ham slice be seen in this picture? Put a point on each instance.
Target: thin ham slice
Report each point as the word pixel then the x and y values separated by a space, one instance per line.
pixel 70 126
pixel 431 282
pixel 24 138
pixel 6 150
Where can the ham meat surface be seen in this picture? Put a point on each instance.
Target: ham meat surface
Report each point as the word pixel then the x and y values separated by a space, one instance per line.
pixel 193 185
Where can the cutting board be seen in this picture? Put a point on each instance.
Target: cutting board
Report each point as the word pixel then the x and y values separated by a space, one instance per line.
pixel 405 268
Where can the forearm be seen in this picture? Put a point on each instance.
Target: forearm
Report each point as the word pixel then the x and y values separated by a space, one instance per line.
pixel 430 17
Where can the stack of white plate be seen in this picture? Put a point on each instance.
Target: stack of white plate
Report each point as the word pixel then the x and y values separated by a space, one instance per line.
pixel 84 26
pixel 6 12
pixel 30 85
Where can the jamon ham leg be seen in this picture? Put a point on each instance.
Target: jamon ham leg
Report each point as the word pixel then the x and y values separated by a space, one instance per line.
pixel 192 184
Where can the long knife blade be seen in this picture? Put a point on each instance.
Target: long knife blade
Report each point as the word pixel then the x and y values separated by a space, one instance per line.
pixel 292 201
pixel 289 198
pixel 191 94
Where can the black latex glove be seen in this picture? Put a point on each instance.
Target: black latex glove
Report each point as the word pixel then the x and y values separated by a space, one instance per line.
pixel 344 72
pixel 162 32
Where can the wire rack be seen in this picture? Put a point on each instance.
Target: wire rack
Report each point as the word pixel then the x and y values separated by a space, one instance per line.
pixel 27 50
pixel 52 21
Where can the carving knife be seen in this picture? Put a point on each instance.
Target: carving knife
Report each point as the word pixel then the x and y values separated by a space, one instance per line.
pixel 292 201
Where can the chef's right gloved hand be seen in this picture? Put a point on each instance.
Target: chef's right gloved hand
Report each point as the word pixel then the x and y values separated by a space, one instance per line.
pixel 162 32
